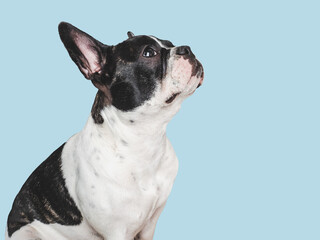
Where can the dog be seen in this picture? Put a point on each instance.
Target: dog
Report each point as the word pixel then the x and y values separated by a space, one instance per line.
pixel 111 180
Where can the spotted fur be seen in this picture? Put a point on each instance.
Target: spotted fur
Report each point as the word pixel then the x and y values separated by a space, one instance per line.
pixel 111 180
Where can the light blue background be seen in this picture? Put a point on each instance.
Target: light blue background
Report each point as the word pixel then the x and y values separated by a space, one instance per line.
pixel 247 140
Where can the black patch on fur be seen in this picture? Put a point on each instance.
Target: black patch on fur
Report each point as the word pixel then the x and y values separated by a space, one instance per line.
pixel 124 77
pixel 98 105
pixel 165 43
pixel 197 69
pixel 135 76
pixel 44 197
pixel 165 54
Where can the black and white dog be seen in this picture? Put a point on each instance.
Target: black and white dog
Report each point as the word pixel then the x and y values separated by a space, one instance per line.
pixel 111 180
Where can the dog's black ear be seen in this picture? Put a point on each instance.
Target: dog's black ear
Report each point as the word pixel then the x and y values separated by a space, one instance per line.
pixel 88 53
pixel 130 34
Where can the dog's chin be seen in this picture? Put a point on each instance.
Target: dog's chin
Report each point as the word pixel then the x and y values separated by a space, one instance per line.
pixel 193 84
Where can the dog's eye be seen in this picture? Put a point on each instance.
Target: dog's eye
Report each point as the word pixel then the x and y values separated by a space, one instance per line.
pixel 149 52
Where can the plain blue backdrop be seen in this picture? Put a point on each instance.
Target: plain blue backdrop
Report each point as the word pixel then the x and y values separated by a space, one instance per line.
pixel 248 139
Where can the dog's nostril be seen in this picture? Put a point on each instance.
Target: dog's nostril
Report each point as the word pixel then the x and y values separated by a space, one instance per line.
pixel 183 50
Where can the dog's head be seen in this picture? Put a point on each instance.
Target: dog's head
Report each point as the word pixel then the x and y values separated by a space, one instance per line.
pixel 141 72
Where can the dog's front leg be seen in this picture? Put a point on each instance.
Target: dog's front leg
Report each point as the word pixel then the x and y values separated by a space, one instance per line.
pixel 117 236
pixel 148 231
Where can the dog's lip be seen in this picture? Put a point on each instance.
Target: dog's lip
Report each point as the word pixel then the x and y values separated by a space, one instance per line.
pixel 200 73
pixel 172 97
pixel 201 78
pixel 199 68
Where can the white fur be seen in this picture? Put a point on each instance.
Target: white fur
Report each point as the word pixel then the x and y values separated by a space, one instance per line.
pixel 120 173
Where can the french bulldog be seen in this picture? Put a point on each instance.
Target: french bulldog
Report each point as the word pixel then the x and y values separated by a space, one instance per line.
pixel 111 180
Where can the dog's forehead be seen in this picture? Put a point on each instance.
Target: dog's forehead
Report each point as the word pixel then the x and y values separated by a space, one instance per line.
pixel 143 40
pixel 130 49
pixel 163 43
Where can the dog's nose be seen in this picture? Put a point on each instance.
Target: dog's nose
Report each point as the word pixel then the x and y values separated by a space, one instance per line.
pixel 183 50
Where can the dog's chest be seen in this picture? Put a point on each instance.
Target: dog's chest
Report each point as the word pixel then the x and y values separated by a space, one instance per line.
pixel 119 183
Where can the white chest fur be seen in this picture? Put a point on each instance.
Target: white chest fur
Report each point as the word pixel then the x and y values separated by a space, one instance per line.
pixel 120 180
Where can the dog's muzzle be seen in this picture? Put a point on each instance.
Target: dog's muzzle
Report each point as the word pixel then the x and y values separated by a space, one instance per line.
pixel 197 69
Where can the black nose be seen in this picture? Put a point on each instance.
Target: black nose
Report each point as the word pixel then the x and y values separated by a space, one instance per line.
pixel 183 50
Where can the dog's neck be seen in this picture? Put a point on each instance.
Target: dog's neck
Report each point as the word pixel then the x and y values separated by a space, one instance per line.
pixel 140 126
pixel 138 133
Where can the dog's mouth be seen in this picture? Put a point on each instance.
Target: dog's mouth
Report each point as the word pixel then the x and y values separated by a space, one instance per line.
pixel 197 71
pixel 187 75
pixel 200 74
pixel 173 97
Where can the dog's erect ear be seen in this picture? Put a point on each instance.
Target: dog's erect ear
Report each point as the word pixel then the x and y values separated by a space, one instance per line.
pixel 130 34
pixel 88 53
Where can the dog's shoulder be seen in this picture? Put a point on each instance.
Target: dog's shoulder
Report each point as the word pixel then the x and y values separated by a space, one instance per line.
pixel 44 197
